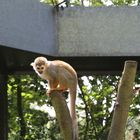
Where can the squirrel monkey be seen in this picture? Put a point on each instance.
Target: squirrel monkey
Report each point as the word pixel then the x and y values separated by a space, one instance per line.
pixel 60 76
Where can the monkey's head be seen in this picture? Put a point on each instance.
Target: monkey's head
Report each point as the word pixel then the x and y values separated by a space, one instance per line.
pixel 39 64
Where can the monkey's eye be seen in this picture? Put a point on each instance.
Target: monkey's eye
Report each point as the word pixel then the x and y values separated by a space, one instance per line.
pixel 42 68
pixel 38 68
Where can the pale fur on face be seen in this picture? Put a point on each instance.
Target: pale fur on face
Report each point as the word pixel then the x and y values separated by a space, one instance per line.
pixel 39 64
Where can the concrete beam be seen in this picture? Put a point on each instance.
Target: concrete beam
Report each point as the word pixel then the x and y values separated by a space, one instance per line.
pixel 75 31
pixel 28 25
pixel 103 31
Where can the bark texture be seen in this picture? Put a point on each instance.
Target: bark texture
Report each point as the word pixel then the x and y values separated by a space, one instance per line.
pixel 124 99
pixel 62 114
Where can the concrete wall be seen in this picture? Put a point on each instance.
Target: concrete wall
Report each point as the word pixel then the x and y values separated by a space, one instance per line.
pixel 104 31
pixel 28 25
pixel 75 31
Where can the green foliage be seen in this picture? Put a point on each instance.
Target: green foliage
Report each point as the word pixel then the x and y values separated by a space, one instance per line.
pixel 95 104
pixel 95 3
pixel 98 99
pixel 38 123
pixel 133 125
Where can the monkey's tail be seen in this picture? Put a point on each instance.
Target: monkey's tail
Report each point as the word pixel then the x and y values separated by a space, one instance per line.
pixel 73 113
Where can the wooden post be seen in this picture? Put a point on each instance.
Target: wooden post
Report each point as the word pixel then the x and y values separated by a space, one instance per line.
pixel 3 108
pixel 124 99
pixel 62 114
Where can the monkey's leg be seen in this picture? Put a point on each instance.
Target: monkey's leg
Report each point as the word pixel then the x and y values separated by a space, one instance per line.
pixel 52 84
pixel 58 88
pixel 61 88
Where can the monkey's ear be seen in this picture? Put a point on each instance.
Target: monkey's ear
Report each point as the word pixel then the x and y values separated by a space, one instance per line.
pixel 32 64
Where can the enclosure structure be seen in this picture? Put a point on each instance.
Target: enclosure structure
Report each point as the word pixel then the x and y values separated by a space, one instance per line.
pixel 92 40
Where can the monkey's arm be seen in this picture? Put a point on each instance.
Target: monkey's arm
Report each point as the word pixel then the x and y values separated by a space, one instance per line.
pixel 52 85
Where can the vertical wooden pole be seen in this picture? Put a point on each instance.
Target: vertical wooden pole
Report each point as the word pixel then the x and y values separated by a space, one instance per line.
pixel 124 99
pixel 62 114
pixel 3 108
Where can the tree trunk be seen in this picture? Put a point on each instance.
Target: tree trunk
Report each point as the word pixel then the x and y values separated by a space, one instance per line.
pixel 62 114
pixel 124 99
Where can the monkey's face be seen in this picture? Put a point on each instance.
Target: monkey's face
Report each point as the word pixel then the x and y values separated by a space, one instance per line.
pixel 39 65
pixel 40 68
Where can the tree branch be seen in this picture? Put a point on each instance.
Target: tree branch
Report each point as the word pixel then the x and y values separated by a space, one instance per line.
pixel 124 99
pixel 62 114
